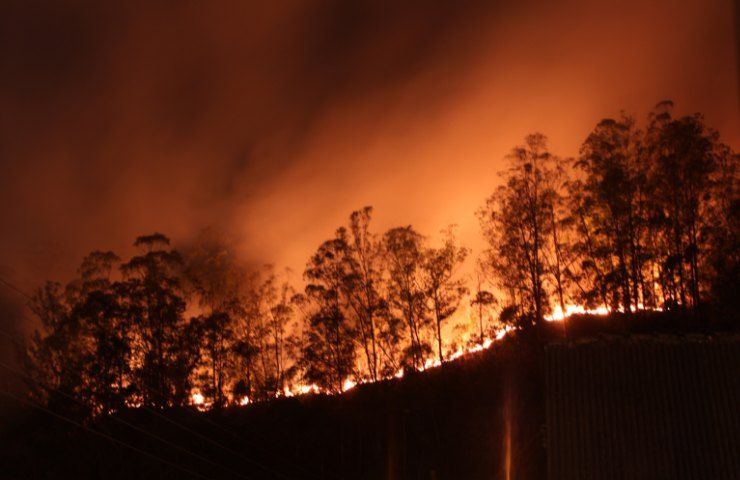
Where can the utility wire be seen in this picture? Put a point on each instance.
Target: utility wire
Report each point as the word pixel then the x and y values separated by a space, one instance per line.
pixel 15 289
pixel 239 437
pixel 215 443
pixel 169 420
pixel 104 435
pixel 183 427
pixel 129 424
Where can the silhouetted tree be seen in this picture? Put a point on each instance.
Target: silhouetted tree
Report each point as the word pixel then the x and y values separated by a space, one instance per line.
pixel 723 237
pixel 328 353
pixel 611 199
pixel 517 223
pixel 481 303
pixel 57 353
pixel 278 311
pixel 98 309
pixel 360 287
pixel 444 290
pixel 163 351
pixel 218 280
pixel 684 155
pixel 215 335
pixel 406 296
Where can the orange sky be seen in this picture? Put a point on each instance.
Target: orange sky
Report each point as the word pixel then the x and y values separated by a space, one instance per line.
pixel 273 123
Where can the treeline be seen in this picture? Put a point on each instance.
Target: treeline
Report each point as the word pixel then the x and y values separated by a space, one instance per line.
pixel 643 218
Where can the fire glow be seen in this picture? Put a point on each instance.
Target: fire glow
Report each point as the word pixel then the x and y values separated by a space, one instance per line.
pixel 558 315
pixel 199 401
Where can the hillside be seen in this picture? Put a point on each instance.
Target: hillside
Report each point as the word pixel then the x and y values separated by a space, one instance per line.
pixel 476 417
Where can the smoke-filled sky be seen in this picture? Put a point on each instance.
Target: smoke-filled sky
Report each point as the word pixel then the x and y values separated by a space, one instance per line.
pixel 273 120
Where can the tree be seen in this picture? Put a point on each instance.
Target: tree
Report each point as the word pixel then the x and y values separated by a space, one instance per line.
pixel 278 311
pixel 328 353
pixel 444 290
pixel 83 350
pixel 406 296
pixel 517 223
pixel 481 302
pixel 216 339
pixel 360 286
pixel 222 286
pixel 212 270
pixel 57 353
pixel 163 348
pixel 684 155
pixel 723 237
pixel 612 204
pixel 98 310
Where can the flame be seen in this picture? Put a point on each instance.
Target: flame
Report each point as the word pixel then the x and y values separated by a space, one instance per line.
pixel 197 399
pixel 461 352
pixel 559 315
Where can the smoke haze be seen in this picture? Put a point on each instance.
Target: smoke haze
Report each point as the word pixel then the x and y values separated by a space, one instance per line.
pixel 274 122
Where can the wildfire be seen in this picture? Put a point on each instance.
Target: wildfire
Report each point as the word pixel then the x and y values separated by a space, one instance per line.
pixel 559 315
pixel 199 401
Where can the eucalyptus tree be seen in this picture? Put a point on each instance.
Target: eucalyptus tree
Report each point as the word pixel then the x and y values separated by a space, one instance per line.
pixel 442 284
pixel 684 156
pixel 163 349
pixel 361 287
pixel 517 224
pixel 278 310
pixel 404 256
pixel 612 195
pixel 328 350
pixel 482 302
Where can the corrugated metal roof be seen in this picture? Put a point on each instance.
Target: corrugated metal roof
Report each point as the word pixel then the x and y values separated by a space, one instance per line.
pixel 652 407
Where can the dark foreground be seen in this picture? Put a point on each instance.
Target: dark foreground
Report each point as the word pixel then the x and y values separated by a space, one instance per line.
pixel 483 416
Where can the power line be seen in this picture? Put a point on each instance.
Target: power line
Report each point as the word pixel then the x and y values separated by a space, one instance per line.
pixel 183 427
pixel 225 430
pixel 124 422
pixel 177 424
pixel 215 443
pixel 204 437
pixel 15 289
pixel 104 435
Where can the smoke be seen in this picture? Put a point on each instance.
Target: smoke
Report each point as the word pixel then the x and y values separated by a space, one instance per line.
pixel 274 122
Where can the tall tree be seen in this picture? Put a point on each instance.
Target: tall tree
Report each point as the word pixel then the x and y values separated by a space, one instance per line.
pixel 328 353
pixel 611 194
pixel 216 342
pixel 444 289
pixel 404 253
pixel 684 155
pixel 57 353
pixel 482 301
pixel 98 309
pixel 218 280
pixel 361 285
pixel 517 223
pixel 279 311
pixel 164 352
